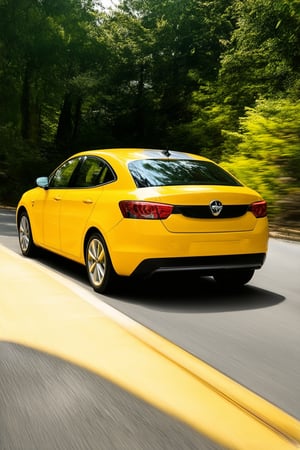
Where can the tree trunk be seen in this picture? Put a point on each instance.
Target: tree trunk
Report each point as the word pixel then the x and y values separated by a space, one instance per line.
pixel 30 111
pixel 65 124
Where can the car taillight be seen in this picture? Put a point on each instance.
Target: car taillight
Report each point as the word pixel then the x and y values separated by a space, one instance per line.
pixel 133 209
pixel 259 209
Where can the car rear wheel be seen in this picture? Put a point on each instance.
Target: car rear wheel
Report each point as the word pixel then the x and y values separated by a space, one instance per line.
pixel 100 271
pixel 231 278
pixel 25 236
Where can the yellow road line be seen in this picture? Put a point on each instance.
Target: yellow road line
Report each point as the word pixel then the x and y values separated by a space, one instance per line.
pixel 43 311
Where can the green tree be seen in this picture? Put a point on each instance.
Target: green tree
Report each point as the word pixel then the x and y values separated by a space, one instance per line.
pixel 267 156
pixel 263 56
pixel 173 47
pixel 45 46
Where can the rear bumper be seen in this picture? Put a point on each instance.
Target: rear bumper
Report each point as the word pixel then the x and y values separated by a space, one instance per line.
pixel 138 246
pixel 206 264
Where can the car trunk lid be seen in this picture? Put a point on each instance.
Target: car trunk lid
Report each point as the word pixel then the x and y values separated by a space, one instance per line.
pixel 207 209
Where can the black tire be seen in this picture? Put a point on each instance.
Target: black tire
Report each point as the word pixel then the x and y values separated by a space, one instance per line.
pixel 232 278
pixel 101 273
pixel 27 245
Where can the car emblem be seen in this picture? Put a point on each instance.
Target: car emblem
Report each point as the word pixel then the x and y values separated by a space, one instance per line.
pixel 215 207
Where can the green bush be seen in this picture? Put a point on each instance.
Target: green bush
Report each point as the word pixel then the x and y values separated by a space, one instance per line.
pixel 267 156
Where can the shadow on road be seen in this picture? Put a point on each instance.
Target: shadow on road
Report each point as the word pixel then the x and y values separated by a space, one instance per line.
pixel 192 293
pixel 176 292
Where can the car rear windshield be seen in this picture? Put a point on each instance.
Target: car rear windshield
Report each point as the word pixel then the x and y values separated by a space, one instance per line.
pixel 155 172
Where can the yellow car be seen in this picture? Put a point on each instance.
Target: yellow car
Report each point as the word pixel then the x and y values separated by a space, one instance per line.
pixel 134 212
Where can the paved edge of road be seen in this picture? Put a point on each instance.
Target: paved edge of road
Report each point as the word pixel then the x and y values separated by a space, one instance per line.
pixel 251 421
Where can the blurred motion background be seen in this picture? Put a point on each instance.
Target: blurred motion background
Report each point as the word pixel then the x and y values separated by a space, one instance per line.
pixel 219 78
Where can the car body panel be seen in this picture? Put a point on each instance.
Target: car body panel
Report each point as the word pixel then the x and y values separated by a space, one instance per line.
pixel 78 205
pixel 126 253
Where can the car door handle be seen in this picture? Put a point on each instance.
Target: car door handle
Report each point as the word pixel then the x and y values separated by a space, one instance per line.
pixel 88 201
pixel 58 199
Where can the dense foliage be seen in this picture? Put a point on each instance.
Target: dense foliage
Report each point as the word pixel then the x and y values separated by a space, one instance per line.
pixel 216 77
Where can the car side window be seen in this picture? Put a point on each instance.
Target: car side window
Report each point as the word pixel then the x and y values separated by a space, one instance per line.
pixel 92 172
pixel 62 176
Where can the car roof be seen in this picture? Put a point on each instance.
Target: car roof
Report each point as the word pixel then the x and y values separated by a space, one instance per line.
pixel 130 154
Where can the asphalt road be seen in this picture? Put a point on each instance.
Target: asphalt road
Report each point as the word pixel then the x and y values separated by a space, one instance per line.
pixel 252 336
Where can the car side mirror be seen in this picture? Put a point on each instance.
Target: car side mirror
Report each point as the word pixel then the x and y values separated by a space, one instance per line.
pixel 42 182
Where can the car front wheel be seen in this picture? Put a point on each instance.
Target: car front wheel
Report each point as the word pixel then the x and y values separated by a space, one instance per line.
pixel 232 278
pixel 25 236
pixel 100 271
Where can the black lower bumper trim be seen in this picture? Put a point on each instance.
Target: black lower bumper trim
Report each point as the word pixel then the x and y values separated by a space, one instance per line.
pixel 205 264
